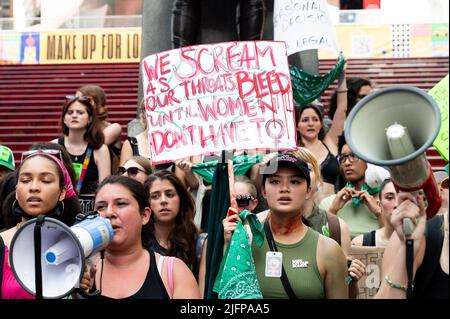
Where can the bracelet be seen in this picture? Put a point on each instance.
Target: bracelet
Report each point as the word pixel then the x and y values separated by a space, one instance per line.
pixel 393 284
pixel 342 91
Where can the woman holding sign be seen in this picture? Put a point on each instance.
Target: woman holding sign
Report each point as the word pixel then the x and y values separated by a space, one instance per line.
pixel 311 135
pixel 83 140
pixel 294 261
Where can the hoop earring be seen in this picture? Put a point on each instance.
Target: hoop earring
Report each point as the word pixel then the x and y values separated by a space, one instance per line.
pixel 16 209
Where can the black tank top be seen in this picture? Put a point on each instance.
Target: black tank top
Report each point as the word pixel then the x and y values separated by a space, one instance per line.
pixel 329 168
pixel 153 286
pixel 90 181
pixel 431 282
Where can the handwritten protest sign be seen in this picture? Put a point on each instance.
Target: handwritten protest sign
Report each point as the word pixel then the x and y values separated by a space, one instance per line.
pixel 440 95
pixel 303 25
pixel 370 282
pixel 227 96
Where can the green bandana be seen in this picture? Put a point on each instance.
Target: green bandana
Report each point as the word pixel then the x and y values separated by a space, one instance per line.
pixel 237 275
pixel 308 87
pixel 241 165
pixel 365 187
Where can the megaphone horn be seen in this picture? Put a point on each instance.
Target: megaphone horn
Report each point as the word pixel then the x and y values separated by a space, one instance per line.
pixel 62 255
pixel 393 127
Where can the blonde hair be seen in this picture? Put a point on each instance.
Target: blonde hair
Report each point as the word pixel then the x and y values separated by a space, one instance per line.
pixel 308 157
pixel 250 185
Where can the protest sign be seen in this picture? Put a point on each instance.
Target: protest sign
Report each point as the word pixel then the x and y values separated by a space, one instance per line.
pixel 303 25
pixel 228 96
pixel 370 282
pixel 440 95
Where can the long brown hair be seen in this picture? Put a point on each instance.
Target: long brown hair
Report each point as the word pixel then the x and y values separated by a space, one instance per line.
pixel 183 237
pixel 298 114
pixel 99 97
pixel 93 135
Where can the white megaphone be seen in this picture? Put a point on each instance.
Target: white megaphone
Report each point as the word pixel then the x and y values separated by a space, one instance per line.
pixel 62 255
pixel 393 127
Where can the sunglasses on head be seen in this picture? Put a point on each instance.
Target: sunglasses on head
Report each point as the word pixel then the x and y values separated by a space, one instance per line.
pixel 50 152
pixel 131 171
pixel 81 98
pixel 244 200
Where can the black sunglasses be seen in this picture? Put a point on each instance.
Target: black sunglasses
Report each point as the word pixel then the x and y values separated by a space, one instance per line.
pixel 244 200
pixel 81 98
pixel 131 171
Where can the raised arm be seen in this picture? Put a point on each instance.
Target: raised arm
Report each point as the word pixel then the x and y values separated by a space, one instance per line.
pixel 337 127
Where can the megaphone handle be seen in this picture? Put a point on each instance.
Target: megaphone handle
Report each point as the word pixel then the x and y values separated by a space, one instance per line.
pixel 97 292
pixel 37 255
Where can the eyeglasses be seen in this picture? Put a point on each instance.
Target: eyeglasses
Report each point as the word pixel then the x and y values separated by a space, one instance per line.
pixel 131 171
pixel 343 157
pixel 46 151
pixel 244 200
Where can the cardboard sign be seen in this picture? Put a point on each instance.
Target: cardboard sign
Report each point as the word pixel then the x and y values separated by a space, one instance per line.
pixel 369 284
pixel 303 25
pixel 440 95
pixel 228 96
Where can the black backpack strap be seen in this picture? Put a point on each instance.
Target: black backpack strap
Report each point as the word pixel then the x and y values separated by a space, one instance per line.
pixel 134 145
pixel 2 257
pixel 335 227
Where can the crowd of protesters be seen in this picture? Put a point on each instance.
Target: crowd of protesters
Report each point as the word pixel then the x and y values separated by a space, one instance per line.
pixel 312 207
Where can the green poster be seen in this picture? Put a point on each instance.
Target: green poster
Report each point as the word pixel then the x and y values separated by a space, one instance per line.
pixel 440 94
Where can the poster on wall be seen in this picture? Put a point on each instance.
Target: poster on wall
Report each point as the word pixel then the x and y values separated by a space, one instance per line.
pixel 29 52
pixel 10 46
pixel 91 46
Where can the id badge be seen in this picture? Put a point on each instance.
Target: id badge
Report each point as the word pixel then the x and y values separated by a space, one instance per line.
pixel 274 263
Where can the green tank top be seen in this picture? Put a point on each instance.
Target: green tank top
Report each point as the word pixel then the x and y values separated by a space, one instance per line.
pixel 305 281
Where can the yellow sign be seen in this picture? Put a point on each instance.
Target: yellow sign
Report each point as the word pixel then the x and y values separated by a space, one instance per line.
pixel 440 95
pixel 91 46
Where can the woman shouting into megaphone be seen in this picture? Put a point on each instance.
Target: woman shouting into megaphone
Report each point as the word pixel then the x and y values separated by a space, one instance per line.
pixel 129 269
pixel 43 183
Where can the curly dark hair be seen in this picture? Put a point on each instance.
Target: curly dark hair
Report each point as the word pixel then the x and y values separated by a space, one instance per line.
pixel 183 237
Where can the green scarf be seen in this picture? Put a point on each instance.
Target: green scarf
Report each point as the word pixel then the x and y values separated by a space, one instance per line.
pixel 241 164
pixel 237 275
pixel 365 187
pixel 308 87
